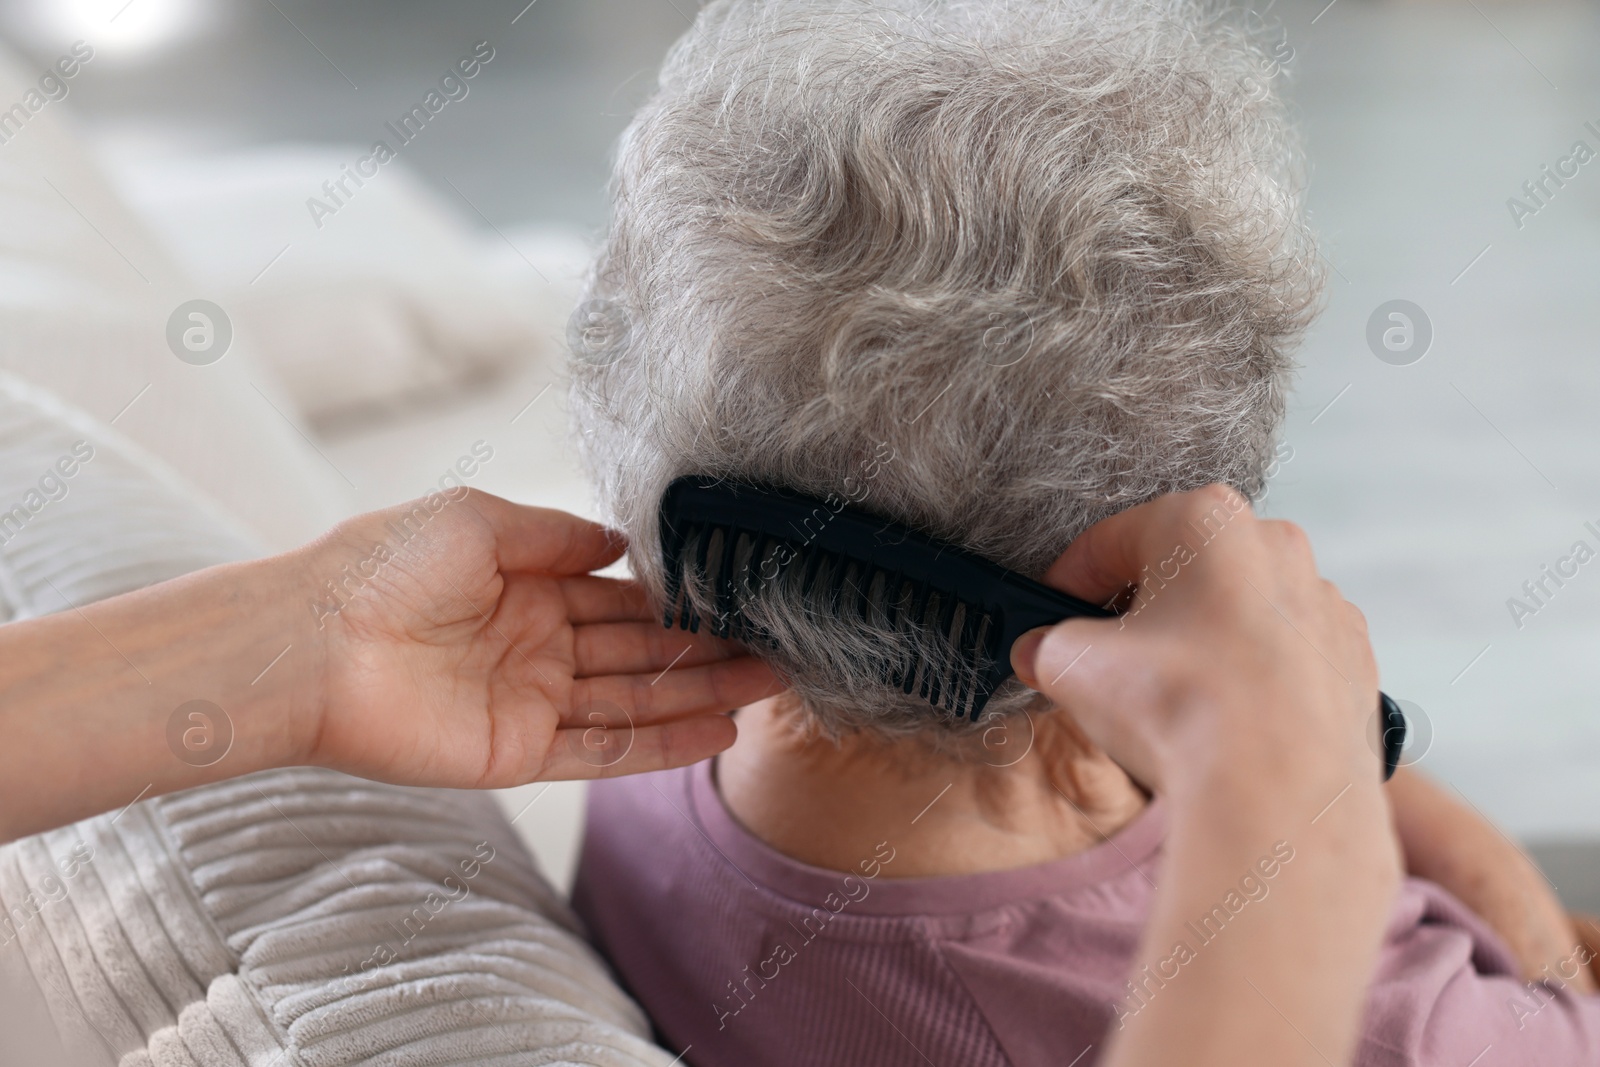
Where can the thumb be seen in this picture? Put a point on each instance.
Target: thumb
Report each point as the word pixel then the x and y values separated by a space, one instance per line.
pixel 1042 657
pixel 1025 654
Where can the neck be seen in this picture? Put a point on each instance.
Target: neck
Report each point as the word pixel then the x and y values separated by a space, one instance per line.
pixel 830 803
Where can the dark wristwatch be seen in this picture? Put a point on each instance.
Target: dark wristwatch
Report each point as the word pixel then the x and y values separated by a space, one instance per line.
pixel 1394 733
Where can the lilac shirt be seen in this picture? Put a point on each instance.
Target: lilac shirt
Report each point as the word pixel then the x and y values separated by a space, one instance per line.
pixel 748 957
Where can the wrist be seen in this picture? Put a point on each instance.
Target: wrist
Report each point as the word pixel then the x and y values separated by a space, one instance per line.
pixel 1328 790
pixel 1292 749
pixel 1334 808
pixel 1257 778
pixel 300 614
pixel 262 662
pixel 320 583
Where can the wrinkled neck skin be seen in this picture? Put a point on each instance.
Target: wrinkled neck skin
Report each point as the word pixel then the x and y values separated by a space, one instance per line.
pixel 831 803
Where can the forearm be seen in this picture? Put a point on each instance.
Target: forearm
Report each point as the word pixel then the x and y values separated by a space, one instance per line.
pixel 90 697
pixel 1449 843
pixel 1282 980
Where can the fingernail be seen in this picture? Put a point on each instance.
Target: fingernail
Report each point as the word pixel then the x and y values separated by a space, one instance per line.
pixel 1023 654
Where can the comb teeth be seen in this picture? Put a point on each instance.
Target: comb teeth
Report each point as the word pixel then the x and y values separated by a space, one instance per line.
pixel 731 564
pixel 722 541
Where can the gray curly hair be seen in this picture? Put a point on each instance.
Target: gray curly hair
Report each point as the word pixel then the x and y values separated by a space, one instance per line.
pixel 1010 266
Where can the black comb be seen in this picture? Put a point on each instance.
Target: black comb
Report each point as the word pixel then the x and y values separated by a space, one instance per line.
pixel 738 536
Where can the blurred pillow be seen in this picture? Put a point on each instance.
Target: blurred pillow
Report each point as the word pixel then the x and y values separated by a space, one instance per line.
pixel 297 916
pixel 86 295
pixel 366 299
pixel 86 514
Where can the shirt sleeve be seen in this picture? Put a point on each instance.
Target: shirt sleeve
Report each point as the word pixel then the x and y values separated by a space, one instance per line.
pixel 1446 994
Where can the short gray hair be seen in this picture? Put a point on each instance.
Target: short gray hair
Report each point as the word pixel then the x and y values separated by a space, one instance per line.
pixel 1045 255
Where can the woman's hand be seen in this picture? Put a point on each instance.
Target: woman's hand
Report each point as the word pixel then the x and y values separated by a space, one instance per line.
pixel 1232 651
pixel 1239 686
pixel 482 652
pixel 452 642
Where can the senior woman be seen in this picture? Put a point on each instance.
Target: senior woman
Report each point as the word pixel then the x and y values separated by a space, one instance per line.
pixel 1037 251
pixel 1014 267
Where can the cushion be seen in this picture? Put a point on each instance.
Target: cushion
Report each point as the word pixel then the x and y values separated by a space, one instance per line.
pixel 296 916
pixel 86 295
pixel 364 310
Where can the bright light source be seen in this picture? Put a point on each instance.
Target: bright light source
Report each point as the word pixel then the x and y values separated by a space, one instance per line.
pixel 112 27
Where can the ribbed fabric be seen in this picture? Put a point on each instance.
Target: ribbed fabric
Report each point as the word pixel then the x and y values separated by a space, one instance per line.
pixel 304 912
pixel 295 917
pixel 119 521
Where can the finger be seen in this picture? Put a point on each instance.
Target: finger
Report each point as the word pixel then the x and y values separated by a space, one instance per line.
pixel 1112 554
pixel 1054 652
pixel 591 600
pixel 1291 540
pixel 1024 655
pixel 586 599
pixel 643 647
pixel 1089 670
pixel 644 749
pixel 1358 620
pixel 679 692
pixel 545 540
pixel 1082 656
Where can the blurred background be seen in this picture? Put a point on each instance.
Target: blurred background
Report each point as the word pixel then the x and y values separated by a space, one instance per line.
pixel 1440 459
